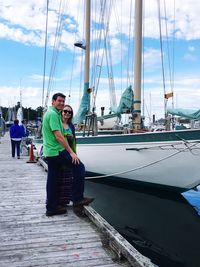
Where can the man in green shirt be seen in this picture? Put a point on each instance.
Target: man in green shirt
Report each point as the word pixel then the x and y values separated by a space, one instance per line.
pixel 58 153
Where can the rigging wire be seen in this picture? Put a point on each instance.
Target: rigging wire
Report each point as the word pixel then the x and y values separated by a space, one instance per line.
pixel 173 50
pixel 54 56
pixel 119 29
pixel 145 108
pixel 121 65
pixel 81 78
pixel 167 36
pixel 96 47
pixel 57 41
pixel 108 57
pixel 70 82
pixel 113 100
pixel 45 52
pixel 73 59
pixel 171 71
pixel 82 60
pixel 103 20
pixel 171 68
pixel 97 44
pixel 162 57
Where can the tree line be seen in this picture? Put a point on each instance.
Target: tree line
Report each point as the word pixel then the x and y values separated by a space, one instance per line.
pixel 29 114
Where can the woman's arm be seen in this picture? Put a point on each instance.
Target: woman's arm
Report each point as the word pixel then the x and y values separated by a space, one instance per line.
pixel 61 140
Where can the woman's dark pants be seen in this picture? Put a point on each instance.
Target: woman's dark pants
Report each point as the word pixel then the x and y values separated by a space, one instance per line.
pixel 17 145
pixel 54 168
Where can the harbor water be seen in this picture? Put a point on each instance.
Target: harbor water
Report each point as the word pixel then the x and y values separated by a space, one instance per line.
pixel 162 225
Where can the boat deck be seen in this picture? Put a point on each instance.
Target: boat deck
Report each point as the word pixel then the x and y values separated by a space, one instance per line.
pixel 29 238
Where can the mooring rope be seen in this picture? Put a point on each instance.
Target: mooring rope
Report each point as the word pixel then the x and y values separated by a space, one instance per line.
pixel 143 166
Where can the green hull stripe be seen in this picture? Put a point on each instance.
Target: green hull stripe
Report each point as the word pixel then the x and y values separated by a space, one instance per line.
pixel 143 137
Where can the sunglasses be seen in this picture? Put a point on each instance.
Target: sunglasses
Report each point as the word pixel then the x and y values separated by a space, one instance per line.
pixel 67 111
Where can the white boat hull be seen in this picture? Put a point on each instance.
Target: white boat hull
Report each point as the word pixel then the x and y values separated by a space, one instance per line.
pixel 172 164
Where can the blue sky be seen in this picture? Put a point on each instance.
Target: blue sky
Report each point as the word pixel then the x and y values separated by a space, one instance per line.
pixel 22 33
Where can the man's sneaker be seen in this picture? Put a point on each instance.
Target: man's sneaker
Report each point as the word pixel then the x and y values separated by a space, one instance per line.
pixel 58 211
pixel 84 202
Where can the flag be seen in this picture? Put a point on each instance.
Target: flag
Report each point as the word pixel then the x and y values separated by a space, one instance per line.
pixel 168 95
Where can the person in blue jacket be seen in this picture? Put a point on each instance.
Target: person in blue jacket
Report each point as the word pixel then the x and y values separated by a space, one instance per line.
pixel 16 134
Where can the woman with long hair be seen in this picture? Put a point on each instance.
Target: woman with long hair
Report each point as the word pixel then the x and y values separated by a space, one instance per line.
pixel 69 129
pixel 66 177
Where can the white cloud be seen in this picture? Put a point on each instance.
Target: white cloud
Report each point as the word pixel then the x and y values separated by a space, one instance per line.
pixel 31 16
pixel 31 96
pixel 24 22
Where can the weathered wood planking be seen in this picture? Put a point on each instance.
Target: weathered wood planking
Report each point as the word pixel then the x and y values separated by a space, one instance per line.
pixel 28 237
pixel 113 239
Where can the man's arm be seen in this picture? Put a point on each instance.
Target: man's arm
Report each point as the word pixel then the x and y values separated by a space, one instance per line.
pixel 60 138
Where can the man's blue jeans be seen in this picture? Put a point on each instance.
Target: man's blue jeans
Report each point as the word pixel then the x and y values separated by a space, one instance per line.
pixel 52 187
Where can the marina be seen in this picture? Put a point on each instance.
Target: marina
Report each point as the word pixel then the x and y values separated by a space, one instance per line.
pixel 162 224
pixel 142 154
pixel 29 238
pixel 119 92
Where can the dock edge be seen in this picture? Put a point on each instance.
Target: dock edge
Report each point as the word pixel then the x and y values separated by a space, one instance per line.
pixel 115 240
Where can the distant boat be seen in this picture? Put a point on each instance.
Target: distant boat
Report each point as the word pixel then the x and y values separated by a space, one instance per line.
pixel 20 115
pixel 12 114
pixel 167 159
pixel 10 117
pixel 2 123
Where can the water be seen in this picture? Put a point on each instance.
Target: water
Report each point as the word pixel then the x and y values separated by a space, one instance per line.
pixel 162 225
pixel 193 197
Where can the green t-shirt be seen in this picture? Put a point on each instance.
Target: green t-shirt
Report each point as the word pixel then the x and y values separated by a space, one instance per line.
pixel 51 122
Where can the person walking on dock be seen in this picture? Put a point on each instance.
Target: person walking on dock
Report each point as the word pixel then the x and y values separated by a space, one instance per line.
pixel 16 134
pixel 58 153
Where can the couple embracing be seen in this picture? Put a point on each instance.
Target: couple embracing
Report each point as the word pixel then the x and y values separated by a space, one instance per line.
pixel 59 147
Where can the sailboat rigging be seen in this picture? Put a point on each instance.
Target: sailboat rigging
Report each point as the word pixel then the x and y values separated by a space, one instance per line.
pixel 167 159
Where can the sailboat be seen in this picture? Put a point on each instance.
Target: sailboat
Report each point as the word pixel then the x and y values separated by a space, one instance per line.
pixel 168 159
pixel 10 117
pixel 2 124
pixel 20 110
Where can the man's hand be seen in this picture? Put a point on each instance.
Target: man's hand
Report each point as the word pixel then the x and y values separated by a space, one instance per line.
pixel 75 158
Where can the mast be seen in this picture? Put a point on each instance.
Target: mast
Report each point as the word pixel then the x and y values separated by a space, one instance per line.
pixel 84 107
pixel 137 65
pixel 87 51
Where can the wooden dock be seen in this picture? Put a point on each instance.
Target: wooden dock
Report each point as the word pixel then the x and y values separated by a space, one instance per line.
pixel 29 238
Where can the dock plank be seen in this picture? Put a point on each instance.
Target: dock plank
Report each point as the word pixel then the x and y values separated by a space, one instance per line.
pixel 28 237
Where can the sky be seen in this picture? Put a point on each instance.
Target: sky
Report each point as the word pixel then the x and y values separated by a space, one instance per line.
pixel 22 52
